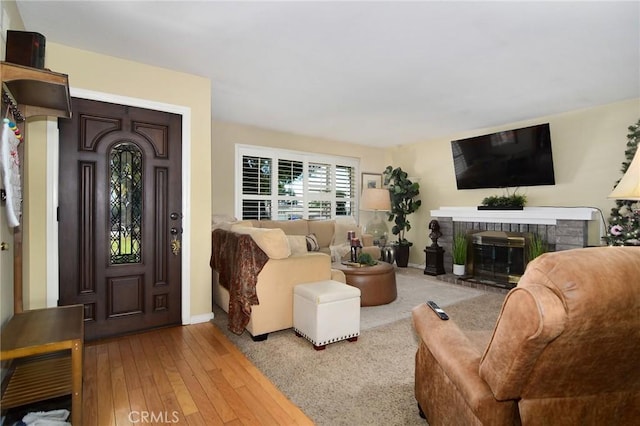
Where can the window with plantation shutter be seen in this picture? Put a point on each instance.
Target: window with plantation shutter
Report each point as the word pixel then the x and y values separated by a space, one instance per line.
pixel 285 185
pixel 345 191
pixel 256 187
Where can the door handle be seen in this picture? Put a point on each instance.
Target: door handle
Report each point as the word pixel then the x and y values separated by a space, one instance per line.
pixel 175 216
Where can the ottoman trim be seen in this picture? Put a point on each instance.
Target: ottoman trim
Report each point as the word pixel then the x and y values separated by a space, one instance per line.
pixel 326 342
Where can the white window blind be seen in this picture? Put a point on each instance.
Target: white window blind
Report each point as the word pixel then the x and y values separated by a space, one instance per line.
pixel 284 185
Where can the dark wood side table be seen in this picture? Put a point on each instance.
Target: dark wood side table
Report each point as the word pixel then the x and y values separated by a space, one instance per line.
pixel 377 283
pixel 46 347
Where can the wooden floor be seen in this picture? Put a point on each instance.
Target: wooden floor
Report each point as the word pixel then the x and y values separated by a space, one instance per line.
pixel 189 375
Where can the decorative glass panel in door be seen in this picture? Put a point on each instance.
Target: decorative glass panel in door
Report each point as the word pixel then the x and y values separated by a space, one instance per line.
pixel 125 199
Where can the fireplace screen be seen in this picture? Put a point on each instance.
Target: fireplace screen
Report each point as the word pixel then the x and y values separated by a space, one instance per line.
pixel 498 256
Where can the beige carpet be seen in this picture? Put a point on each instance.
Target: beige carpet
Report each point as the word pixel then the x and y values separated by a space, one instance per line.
pixel 368 382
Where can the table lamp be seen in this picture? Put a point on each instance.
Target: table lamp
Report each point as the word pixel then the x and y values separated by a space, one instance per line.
pixel 629 186
pixel 378 201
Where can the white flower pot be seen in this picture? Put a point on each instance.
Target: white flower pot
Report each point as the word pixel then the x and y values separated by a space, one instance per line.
pixel 458 269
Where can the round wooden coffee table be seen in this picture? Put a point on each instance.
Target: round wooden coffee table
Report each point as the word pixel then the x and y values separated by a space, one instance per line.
pixel 377 283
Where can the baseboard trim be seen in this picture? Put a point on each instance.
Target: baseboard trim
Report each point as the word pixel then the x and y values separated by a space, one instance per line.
pixel 197 319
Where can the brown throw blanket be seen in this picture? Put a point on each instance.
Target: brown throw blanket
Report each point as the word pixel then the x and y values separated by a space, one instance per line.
pixel 238 261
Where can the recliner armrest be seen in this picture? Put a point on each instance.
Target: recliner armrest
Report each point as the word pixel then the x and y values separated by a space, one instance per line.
pixel 456 355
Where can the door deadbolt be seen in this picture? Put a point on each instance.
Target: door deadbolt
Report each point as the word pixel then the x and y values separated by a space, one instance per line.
pixel 175 216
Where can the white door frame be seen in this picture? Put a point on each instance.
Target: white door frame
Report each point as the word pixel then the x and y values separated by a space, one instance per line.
pixel 53 156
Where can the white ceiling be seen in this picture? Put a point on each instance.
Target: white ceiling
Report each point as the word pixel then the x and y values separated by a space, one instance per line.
pixel 377 73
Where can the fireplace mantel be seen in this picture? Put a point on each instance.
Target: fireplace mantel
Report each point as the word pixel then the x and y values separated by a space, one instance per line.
pixel 529 215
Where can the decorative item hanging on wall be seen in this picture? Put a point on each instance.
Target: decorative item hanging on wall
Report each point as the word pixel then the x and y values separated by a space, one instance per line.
pixel 10 170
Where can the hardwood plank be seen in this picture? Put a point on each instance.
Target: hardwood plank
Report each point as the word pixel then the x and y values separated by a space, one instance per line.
pixel 204 357
pixel 205 343
pixel 267 386
pixel 147 375
pixel 137 402
pixel 210 339
pixel 106 409
pixel 129 364
pixel 256 407
pixel 233 399
pixel 120 393
pixel 187 405
pixel 193 375
pixel 292 410
pixel 90 391
pixel 159 377
pixel 210 402
pixel 196 419
pixel 265 400
pixel 151 396
pixel 172 408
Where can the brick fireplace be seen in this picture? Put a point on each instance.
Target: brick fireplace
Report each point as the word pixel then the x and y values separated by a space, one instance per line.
pixel 505 233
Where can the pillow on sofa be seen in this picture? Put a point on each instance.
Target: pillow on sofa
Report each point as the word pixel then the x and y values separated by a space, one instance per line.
pixel 323 229
pixel 298 244
pixel 273 242
pixel 222 221
pixel 342 226
pixel 312 243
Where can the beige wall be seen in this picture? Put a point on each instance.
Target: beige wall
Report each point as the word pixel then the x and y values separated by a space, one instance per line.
pixel 99 73
pixel 588 149
pixel 226 135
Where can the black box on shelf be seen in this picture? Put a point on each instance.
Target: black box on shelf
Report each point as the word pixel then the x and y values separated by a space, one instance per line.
pixel 25 48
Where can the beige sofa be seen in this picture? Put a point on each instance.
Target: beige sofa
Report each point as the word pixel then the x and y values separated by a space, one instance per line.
pixel 331 234
pixel 289 264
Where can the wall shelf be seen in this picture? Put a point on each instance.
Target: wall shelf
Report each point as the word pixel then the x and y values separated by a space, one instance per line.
pixel 37 92
pixel 31 92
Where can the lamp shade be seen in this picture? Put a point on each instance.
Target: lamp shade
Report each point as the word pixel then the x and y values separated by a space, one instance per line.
pixel 629 186
pixel 375 199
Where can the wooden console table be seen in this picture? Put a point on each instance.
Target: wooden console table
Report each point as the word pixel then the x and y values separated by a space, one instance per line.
pixel 46 347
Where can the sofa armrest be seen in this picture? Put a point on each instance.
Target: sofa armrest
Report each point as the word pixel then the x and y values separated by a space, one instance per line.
pixel 275 289
pixel 458 359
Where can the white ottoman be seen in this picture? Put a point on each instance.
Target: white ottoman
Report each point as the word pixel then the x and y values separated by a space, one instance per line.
pixel 326 312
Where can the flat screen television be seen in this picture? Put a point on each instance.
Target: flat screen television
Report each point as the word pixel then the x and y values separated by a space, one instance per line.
pixel 513 158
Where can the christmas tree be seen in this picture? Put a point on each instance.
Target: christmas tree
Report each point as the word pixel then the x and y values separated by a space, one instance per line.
pixel 624 223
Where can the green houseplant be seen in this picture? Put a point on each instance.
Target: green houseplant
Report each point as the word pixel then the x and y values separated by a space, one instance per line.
pixel 537 246
pixel 509 201
pixel 459 253
pixel 403 193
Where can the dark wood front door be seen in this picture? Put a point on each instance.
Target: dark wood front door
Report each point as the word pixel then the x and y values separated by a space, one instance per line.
pixel 120 217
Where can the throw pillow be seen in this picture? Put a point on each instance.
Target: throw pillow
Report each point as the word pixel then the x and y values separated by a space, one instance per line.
pixel 343 225
pixel 298 244
pixel 272 241
pixel 312 243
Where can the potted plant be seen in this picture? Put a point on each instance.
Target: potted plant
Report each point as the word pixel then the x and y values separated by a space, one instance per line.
pixel 402 193
pixel 537 246
pixel 459 253
pixel 504 202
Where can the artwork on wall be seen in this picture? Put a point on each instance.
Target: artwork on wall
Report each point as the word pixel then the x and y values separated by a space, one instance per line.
pixel 371 180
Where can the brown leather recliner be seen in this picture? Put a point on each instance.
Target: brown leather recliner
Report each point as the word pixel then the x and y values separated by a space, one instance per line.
pixel 565 349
